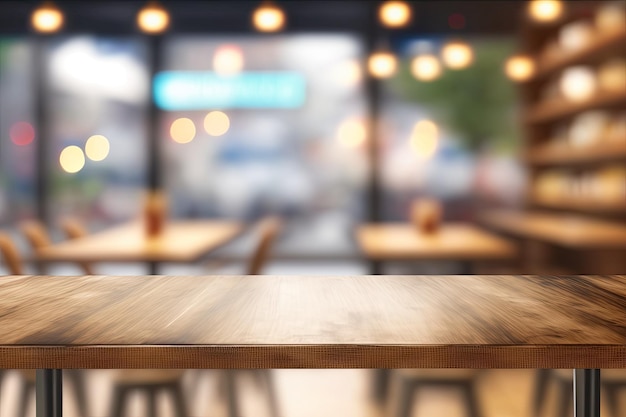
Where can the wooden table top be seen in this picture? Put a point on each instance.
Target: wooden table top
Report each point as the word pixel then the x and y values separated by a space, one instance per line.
pixel 493 321
pixel 181 241
pixel 571 231
pixel 453 241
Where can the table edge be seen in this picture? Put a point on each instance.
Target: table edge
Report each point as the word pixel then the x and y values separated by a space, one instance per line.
pixel 324 356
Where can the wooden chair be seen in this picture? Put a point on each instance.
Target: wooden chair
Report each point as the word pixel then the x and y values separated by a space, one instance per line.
pixel 611 382
pixel 38 238
pixel 14 263
pixel 74 229
pixel 268 229
pixel 10 255
pixel 411 380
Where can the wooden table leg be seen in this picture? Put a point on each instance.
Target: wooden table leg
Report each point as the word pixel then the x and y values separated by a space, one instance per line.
pixel 49 393
pixel 586 393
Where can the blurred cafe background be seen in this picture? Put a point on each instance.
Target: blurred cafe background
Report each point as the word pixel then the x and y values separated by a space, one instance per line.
pixel 379 137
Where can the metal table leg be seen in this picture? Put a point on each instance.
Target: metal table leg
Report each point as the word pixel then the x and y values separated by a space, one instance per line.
pixel 586 393
pixel 153 268
pixel 375 267
pixel 49 393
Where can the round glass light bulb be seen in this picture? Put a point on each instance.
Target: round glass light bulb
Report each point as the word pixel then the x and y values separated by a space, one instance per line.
pixel 268 18
pixel 394 14
pixel 153 19
pixel 545 10
pixel 47 19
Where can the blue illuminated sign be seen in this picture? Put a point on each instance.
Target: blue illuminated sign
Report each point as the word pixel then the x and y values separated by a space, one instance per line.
pixel 186 90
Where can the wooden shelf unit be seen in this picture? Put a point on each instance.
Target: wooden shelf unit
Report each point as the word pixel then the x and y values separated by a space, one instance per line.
pixel 567 155
pixel 602 47
pixel 553 111
pixel 582 204
pixel 546 125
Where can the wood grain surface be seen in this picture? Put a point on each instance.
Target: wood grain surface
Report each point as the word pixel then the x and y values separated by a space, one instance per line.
pixel 313 322
pixel 567 230
pixel 181 241
pixel 453 241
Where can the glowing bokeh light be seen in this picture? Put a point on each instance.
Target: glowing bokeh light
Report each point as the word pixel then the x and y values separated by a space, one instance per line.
pixel 216 123
pixel 577 83
pixel 268 18
pixel 382 64
pixel 457 55
pixel 47 19
pixel 153 18
pixel 97 147
pixel 394 14
pixel 545 10
pixel 183 130
pixel 22 133
pixel 425 67
pixel 72 159
pixel 352 133
pixel 228 60
pixel 519 68
pixel 424 139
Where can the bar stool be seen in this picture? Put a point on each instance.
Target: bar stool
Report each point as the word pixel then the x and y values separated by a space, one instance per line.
pixel 611 381
pixel 410 380
pixel 11 256
pixel 268 229
pixel 149 382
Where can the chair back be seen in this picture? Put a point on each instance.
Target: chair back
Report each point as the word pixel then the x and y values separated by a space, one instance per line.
pixel 36 234
pixel 74 229
pixel 11 256
pixel 269 228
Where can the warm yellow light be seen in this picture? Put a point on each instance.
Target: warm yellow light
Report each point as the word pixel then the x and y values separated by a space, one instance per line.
pixel 545 10
pixel 216 123
pixel 394 14
pixel 382 64
pixel 47 19
pixel 352 133
pixel 153 19
pixel 228 60
pixel 457 55
pixel 97 147
pixel 424 139
pixel 426 67
pixel 183 130
pixel 268 18
pixel 72 159
pixel 519 68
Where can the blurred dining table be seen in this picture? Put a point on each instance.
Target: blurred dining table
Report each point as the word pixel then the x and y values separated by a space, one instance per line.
pixel 459 242
pixel 180 241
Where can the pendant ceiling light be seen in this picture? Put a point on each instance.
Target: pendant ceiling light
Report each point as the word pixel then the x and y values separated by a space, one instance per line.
pixel 153 18
pixel 268 17
pixel 394 14
pixel 47 18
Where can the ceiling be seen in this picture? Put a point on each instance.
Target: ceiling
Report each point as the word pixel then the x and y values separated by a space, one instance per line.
pixel 233 16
